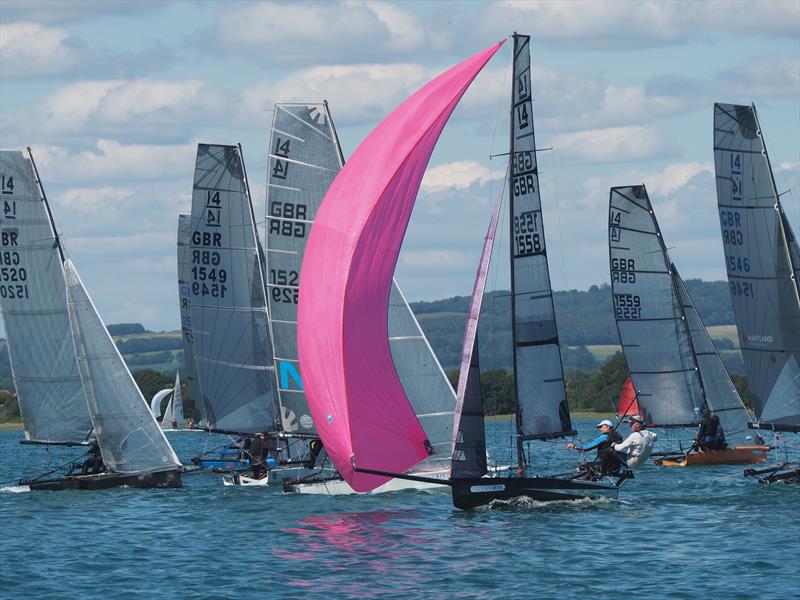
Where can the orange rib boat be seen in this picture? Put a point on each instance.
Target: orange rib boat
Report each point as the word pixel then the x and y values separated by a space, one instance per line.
pixel 741 455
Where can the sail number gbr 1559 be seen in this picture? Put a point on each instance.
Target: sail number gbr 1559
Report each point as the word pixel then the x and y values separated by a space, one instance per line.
pixel 627 306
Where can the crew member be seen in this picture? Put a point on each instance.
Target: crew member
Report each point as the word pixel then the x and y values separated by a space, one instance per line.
pixel 637 446
pixel 603 443
pixel 710 435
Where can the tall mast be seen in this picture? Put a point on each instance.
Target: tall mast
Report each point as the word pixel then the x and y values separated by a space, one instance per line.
pixel 521 462
pixel 47 206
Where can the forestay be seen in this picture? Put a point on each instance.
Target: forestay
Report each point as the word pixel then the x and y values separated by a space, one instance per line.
pixel 33 303
pixel 649 315
pixel 354 392
pixel 758 244
pixel 230 333
pixel 185 299
pixel 130 440
pixel 542 410
pixel 469 438
pixel 304 159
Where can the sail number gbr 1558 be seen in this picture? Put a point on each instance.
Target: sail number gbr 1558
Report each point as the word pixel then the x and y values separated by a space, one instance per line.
pixel 527 239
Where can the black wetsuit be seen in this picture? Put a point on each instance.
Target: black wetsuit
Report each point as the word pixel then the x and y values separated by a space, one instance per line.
pixel 710 436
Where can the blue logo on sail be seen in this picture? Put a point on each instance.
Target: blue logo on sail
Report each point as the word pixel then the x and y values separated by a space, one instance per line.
pixel 286 370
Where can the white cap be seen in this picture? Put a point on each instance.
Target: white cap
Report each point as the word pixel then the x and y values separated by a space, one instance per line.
pixel 605 422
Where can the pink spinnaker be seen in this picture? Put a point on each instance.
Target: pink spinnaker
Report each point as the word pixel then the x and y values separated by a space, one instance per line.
pixel 359 407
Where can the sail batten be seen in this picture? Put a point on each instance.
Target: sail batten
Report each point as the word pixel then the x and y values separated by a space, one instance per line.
pixel 354 391
pixel 761 263
pixel 33 304
pixel 228 309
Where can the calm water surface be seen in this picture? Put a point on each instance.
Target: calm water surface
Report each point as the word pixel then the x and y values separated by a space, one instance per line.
pixel 674 533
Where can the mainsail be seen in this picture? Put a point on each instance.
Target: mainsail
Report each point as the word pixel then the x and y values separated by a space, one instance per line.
pixel 33 304
pixel 304 159
pixel 354 392
pixel 185 299
pixel 469 434
pixel 649 314
pixel 761 259
pixel 542 410
pixel 130 440
pixel 674 365
pixel 228 305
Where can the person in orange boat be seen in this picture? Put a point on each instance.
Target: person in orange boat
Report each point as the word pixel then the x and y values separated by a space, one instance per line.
pixel 710 435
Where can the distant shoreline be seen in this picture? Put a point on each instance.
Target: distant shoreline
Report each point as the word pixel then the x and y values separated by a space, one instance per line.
pixel 11 425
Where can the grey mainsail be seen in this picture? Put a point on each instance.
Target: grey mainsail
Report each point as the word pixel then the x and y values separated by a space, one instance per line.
pixel 304 159
pixel 542 410
pixel 33 304
pixel 230 333
pixel 759 254
pixel 185 299
pixel 469 437
pixel 130 440
pixel 649 314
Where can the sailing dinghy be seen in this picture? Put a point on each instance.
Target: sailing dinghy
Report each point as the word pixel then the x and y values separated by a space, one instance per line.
pixel 362 411
pixel 126 436
pixel 763 265
pixel 305 157
pixel 675 368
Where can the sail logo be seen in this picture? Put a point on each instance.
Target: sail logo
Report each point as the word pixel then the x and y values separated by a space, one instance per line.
pixel 288 370
pixel 758 340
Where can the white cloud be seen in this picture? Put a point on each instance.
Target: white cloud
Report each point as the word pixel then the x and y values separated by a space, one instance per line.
pixel 138 109
pixel 614 144
pixel 357 93
pixel 112 160
pixel 458 175
pixel 325 32
pixel 30 49
pixel 620 25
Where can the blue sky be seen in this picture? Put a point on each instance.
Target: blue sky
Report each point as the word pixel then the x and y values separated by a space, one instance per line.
pixel 114 96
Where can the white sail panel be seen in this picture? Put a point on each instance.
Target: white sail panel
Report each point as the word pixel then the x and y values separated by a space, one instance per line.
pixel 756 240
pixel 542 410
pixel 169 416
pixel 652 329
pixel 33 303
pixel 185 300
pixel 231 346
pixel 130 440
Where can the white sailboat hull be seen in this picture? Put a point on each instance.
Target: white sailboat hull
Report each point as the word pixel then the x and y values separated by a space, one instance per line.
pixel 339 487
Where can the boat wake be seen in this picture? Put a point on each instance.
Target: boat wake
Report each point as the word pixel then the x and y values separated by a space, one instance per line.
pixel 15 489
pixel 526 503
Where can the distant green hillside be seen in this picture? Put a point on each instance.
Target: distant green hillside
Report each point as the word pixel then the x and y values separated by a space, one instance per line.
pixel 585 320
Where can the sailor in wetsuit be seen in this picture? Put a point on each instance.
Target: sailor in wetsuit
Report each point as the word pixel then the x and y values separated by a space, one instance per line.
pixel 94 462
pixel 710 435
pixel 604 444
pixel 257 453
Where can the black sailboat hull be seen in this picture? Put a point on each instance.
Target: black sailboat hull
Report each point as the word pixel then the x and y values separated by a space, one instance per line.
pixel 104 481
pixel 473 492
